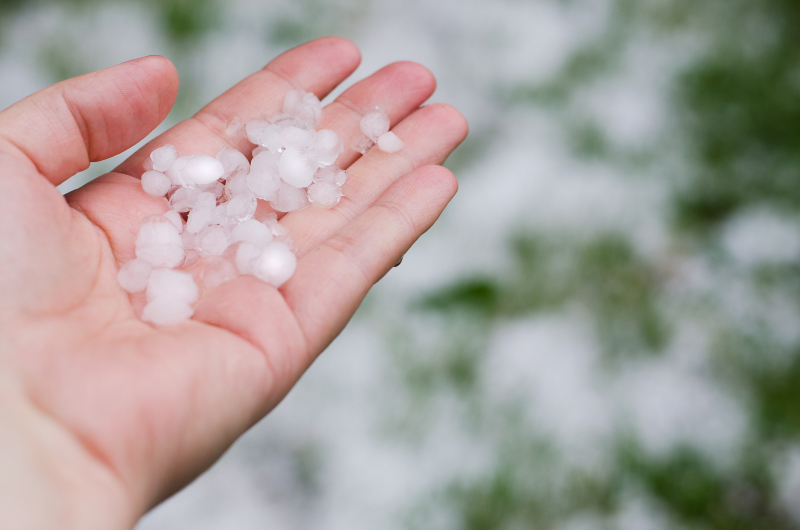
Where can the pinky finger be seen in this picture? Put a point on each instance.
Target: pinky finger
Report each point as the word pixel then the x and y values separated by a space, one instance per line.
pixel 332 279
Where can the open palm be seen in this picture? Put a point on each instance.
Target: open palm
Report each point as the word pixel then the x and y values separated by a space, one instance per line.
pixel 101 415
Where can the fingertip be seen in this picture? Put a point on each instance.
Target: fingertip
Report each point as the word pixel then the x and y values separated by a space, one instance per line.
pixel 345 49
pixel 333 57
pixel 438 180
pixel 421 75
pixel 161 73
pixel 418 82
pixel 451 118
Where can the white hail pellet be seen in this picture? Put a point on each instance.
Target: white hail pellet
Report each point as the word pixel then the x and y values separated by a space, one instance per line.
pixel 167 312
pixel 252 231
pixel 133 275
pixel 246 255
pixel 175 218
pixel 324 194
pixel 263 179
pixel 172 284
pixel 213 226
pixel 159 243
pixel 163 157
pixel 233 162
pixel 275 265
pixel 212 241
pixel 390 143
pixel 327 146
pixel 303 105
pixel 156 183
pixel 203 169
pixel 374 124
pixel 289 198
pixel 296 167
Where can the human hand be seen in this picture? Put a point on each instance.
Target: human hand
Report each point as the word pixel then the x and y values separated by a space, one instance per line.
pixel 103 416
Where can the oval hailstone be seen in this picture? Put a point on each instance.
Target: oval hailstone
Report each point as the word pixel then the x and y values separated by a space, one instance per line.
pixel 175 172
pixel 175 218
pixel 246 255
pixel 203 169
pixel 296 168
pixel 159 243
pixel 253 232
pixel 184 199
pixel 133 275
pixel 163 157
pixel 289 198
pixel 212 241
pixel 327 147
pixel 263 179
pixel 374 124
pixel 242 207
pixel 166 312
pixel 156 183
pixel 390 143
pixel 233 162
pixel 303 105
pixel 173 285
pixel 275 265
pixel 324 194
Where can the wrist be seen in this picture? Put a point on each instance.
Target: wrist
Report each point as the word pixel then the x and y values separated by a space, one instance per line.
pixel 49 480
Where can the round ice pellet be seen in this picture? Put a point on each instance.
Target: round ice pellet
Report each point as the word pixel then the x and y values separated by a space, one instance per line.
pixel 296 168
pixel 390 143
pixel 175 218
pixel 175 172
pixel 275 265
pixel 203 169
pixel 163 157
pixel 289 198
pixel 212 241
pixel 159 243
pixel 233 162
pixel 133 275
pixel 263 179
pixel 303 105
pixel 184 199
pixel 235 185
pixel 264 133
pixel 173 285
pixel 252 231
pixel 156 183
pixel 296 138
pixel 374 124
pixel 242 207
pixel 198 219
pixel 166 312
pixel 246 255
pixel 327 147
pixel 324 194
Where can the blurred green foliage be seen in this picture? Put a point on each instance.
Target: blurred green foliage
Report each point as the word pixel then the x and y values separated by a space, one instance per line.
pixel 741 107
pixel 736 109
pixel 700 496
pixel 187 20
pixel 603 276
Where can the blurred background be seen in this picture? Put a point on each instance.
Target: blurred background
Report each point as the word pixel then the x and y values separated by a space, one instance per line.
pixel 603 329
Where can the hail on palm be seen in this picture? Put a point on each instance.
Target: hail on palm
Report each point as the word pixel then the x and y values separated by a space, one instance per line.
pixel 213 219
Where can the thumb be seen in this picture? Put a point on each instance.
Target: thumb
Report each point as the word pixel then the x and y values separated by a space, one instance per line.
pixel 63 128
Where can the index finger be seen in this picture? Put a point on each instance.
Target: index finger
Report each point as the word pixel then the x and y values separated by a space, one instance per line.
pixel 317 66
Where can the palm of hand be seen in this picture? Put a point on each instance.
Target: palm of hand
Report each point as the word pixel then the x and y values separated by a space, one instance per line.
pixel 132 411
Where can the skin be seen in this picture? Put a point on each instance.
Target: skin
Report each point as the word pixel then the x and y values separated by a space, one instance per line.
pixel 103 416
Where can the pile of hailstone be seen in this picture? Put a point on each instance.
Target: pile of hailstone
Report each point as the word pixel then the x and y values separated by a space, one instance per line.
pixel 213 202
